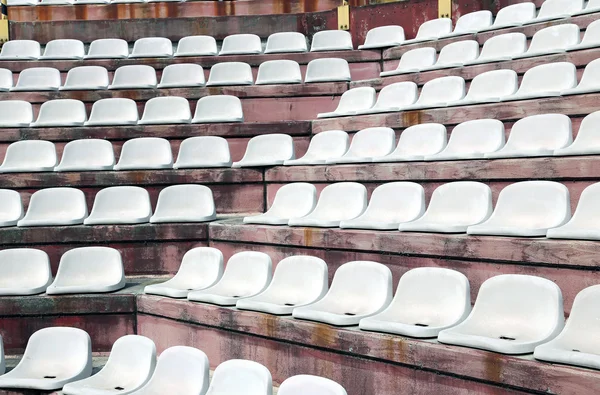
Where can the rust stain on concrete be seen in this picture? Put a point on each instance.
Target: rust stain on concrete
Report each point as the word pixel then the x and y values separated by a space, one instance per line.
pixel 308 237
pixel 411 118
pixel 492 368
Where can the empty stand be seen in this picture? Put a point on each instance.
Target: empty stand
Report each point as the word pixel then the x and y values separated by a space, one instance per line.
pixel 501 48
pixel 557 9
pixel 414 61
pixel 134 77
pixel 324 146
pixel 472 140
pixel 583 224
pixel 432 30
pixel 383 36
pixel 241 376
pixel 120 205
pixel 513 15
pixel 490 87
pixel 416 142
pixel 86 78
pixel 241 44
pixel 87 155
pixel 218 108
pixel 368 144
pixel 29 156
pixel 327 70
pixel 166 110
pixel 353 101
pixel 55 207
pixel 315 385
pixel 184 203
pixel 286 42
pixel 292 201
pixel 15 114
pixel 38 79
pixel 108 48
pixel 590 81
pixel 6 80
pixel 20 50
pixel 64 49
pixel 12 207
pixel 113 112
pixel 587 141
pixel 230 73
pixel 145 153
pixel 196 46
pixel 439 92
pixel 24 271
pixel 182 75
pixel 61 112
pixel 553 39
pixel 331 40
pixel 546 80
pixel 456 54
pixel 279 72
pixel 203 151
pixel 472 23
pixel 152 47
pixel 267 150
pixel 590 39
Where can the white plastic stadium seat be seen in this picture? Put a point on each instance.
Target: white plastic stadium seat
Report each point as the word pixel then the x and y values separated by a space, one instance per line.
pixel 53 357
pixel 393 97
pixel 294 200
pixel 359 289
pixel 337 202
pixel 87 155
pixel 286 42
pixel 298 281
pixel 439 92
pixel 196 46
pixel 591 38
pixel 552 40
pixel 557 9
pixel 166 110
pixel 590 81
pixel 576 344
pixel 86 78
pixel 38 79
pixel 246 274
pixel 323 146
pixel 112 112
pixel 145 153
pixel 455 55
pixel 502 47
pixel 513 15
pixel 120 205
pixel 22 2
pixel 180 370
pixel 352 101
pixel 201 267
pixel 15 114
pixel 218 108
pixel 11 210
pixel 383 36
pixel 2 362
pixel 108 48
pixel 267 150
pixel 367 144
pixel 20 50
pixel 331 40
pixel 592 6
pixel 184 203
pixel 137 76
pixel 230 73
pixel 24 271
pixel 416 142
pixel 432 30
pixel 241 44
pixel 29 156
pixel 453 208
pixel 546 80
pixel 238 376
pixel 61 112
pixel 6 80
pixel 55 207
pixel 587 141
pixel 490 87
pixel 427 301
pixel 472 140
pixel 472 23
pixel 390 205
pixel 512 315
pixel 413 61
pixel 537 135
pixel 327 70
pixel 527 209
pixel 56 2
pixel 152 47
pixel 64 49
pixel 129 366
pixel 182 75
pixel 203 151
pixel 279 72
pixel 307 384
pixel 584 223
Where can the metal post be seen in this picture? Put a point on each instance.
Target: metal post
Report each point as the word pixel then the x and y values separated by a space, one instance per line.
pixel 3 22
pixel 445 8
pixel 344 16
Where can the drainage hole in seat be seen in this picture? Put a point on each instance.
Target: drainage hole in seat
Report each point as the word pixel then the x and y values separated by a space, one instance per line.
pixel 423 325
pixel 235 296
pixel 288 304
pixel 119 388
pixel 350 314
pixel 576 350
pixel 49 377
pixel 190 289
pixel 507 338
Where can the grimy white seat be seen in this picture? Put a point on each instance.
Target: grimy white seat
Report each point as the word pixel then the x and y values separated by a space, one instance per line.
pixel 337 202
pixel 2 362
pixel 592 6
pixel 23 271
pixel 15 114
pixel 180 370
pixel 29 156
pixel 546 80
pixel 513 314
pixel 359 289
pixel 352 101
pixel 196 46
pixel 552 40
pixel 61 112
pixel 472 23
pixel 201 267
pixel 577 344
pixel 584 223
pixel 439 92
pixel 6 80
pixel 536 135
pixel 279 72
pixel 137 76
pixel 64 49
pixel 294 200
pixel 432 30
pixel 182 75
pixel 453 208
pixel 557 9
pixel 456 54
pixel 246 274
pixel 203 151
pixel 367 144
pixel 88 270
pixel 38 79
pixel 587 141
pixel 145 153
pixel 390 205
pixel 383 36
pixel 113 111
pixel 56 2
pixel 413 61
pixel 129 366
pixel 53 357
pixel 416 142
pixel 527 209
pixel 286 42
pixel 490 87
pixel 393 97
pixel 513 15
pixel 218 108
pixel 241 44
pixel 166 110
pixel 239 376
pixel 502 47
pixel 86 78
pixel 590 81
pixel 230 73
pixel 11 210
pixel 331 40
pixel 427 301
pixel 267 150
pixel 55 207
pixel 298 281
pixel 327 70
pixel 590 38
pixel 87 155
pixel 20 50
pixel 331 144
pixel 472 140
pixel 307 384
pixel 108 48
pixel 120 205
pixel 152 47
pixel 22 2
pixel 184 203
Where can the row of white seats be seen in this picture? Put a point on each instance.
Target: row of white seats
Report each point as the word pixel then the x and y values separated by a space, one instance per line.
pixel 121 112
pixel 63 206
